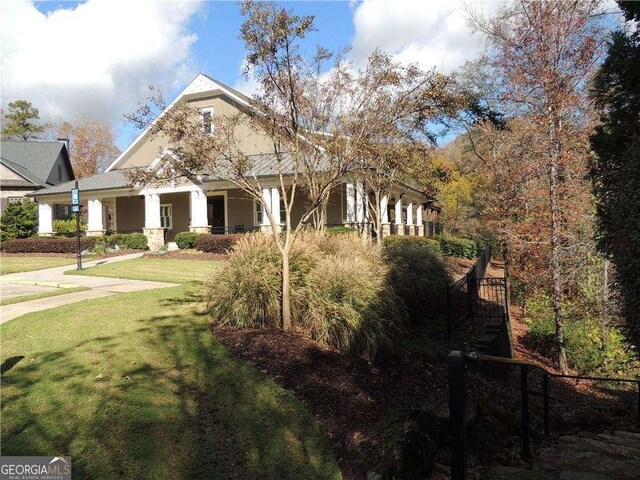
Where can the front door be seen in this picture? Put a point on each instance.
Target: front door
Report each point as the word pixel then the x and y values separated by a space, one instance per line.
pixel 215 214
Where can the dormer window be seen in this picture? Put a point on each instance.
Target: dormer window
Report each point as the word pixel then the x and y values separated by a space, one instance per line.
pixel 207 120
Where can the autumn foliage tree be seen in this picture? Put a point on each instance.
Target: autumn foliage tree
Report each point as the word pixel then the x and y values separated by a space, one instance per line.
pixel 544 52
pixel 92 142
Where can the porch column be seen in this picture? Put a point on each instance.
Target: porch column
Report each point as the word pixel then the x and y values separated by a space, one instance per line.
pixel 95 225
pixel 152 225
pixel 360 202
pixel 275 206
pixel 265 226
pixel 410 214
pixel 384 216
pixel 45 220
pixel 351 203
pixel 199 221
pixel 398 219
pixel 419 224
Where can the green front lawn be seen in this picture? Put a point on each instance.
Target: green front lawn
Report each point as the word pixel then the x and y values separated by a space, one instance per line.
pixel 154 269
pixel 135 386
pixel 37 296
pixel 9 264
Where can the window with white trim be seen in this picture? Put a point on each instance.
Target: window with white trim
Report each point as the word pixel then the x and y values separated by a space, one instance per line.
pixel 166 216
pixel 207 120
pixel 259 212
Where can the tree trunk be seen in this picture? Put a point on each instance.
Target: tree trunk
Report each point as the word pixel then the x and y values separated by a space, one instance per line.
pixel 605 304
pixel 556 297
pixel 286 296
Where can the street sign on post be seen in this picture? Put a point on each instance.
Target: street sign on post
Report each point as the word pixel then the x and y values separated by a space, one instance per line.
pixel 75 207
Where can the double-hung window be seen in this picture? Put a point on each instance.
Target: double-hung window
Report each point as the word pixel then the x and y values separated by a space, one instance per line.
pixel 260 215
pixel 207 120
pixel 166 216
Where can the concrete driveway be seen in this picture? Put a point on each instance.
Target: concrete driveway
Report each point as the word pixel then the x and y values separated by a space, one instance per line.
pixel 38 281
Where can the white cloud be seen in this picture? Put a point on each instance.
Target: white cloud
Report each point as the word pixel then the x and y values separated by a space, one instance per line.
pixel 96 58
pixel 431 33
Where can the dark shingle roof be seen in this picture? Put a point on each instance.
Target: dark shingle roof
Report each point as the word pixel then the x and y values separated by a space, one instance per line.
pixel 38 158
pixel 100 181
pixel 29 177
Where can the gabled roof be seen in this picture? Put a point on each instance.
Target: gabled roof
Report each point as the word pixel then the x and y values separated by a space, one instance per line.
pixel 29 177
pixel 201 84
pixel 115 179
pixel 32 160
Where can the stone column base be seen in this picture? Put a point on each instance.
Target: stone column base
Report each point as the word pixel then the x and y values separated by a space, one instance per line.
pixel 420 230
pixel 200 229
pixel 267 229
pixel 399 228
pixel 94 233
pixel 46 234
pixel 155 238
pixel 385 229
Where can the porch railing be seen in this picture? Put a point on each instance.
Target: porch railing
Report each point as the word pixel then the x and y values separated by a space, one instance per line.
pixel 459 363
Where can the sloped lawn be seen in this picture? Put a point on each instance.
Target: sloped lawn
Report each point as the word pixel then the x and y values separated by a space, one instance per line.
pixel 135 386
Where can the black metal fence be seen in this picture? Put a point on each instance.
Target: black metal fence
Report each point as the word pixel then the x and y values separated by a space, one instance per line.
pixel 467 296
pixel 459 363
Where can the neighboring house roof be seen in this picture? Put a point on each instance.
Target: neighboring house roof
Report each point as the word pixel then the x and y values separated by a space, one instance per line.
pixel 33 160
pixel 115 179
pixel 29 179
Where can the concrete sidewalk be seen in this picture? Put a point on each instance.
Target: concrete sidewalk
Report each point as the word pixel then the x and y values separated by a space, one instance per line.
pixel 55 278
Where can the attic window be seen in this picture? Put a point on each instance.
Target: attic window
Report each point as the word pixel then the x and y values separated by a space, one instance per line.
pixel 59 173
pixel 207 120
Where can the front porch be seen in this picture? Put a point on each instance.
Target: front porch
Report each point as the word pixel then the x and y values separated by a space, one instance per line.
pixel 162 213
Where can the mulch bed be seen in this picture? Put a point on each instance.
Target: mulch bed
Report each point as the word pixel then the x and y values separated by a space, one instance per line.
pixel 189 255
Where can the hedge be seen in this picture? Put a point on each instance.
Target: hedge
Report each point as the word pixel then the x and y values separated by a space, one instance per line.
pixel 67 228
pixel 340 230
pixel 132 241
pixel 216 243
pixel 187 239
pixel 458 247
pixel 47 245
pixel 402 240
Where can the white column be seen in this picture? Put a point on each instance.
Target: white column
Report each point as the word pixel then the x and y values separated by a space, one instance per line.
pixel 399 211
pixel 384 209
pixel 410 213
pixel 360 202
pixel 419 215
pixel 275 205
pixel 198 209
pixel 266 196
pixel 45 219
pixel 95 220
pixel 351 203
pixel 152 210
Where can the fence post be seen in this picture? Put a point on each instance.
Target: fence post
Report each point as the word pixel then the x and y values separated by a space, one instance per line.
pixel 449 326
pixel 545 393
pixel 524 392
pixel 457 416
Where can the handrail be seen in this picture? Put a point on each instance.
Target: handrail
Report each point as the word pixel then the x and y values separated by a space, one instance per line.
pixel 514 361
pixel 457 398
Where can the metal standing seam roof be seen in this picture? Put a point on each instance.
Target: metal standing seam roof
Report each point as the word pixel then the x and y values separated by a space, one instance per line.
pixel 38 158
pixel 115 179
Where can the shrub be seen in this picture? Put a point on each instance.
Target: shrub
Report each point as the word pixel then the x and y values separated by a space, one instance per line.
pixel 132 241
pixel 47 245
pixel 216 243
pixel 339 291
pixel 431 243
pixel 417 272
pixel 339 230
pixel 19 220
pixel 67 228
pixel 187 239
pixel 457 247
pixel 583 338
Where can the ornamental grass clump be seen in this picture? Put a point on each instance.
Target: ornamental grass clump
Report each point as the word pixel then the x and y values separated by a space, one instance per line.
pixel 340 295
pixel 246 293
